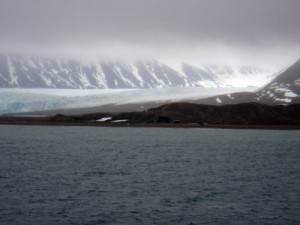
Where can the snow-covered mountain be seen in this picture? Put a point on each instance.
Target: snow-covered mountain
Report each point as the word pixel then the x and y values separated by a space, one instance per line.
pixel 284 89
pixel 40 72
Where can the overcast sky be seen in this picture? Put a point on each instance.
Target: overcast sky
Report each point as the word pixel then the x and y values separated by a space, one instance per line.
pixel 265 31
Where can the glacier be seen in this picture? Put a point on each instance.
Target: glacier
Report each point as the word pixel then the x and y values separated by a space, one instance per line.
pixel 28 100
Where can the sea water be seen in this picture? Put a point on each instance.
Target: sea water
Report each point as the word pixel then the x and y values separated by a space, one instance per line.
pixel 98 175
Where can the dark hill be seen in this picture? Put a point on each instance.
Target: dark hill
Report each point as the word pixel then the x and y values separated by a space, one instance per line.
pixel 245 113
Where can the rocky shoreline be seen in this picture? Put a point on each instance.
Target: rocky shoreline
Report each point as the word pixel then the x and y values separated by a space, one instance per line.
pixel 179 115
pixel 46 122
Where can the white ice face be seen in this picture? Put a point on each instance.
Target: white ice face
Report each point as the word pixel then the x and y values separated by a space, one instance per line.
pixel 26 100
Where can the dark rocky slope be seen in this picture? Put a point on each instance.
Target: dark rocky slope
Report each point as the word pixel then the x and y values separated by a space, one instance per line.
pixel 243 114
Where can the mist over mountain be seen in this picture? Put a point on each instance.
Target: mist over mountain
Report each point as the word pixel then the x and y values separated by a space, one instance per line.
pixel 40 72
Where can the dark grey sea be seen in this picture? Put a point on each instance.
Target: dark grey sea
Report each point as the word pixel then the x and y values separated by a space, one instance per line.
pixel 97 175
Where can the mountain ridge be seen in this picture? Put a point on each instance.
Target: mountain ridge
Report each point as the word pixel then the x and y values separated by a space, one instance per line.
pixel 39 72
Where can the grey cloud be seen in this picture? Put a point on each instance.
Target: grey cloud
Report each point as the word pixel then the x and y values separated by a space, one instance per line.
pixel 259 24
